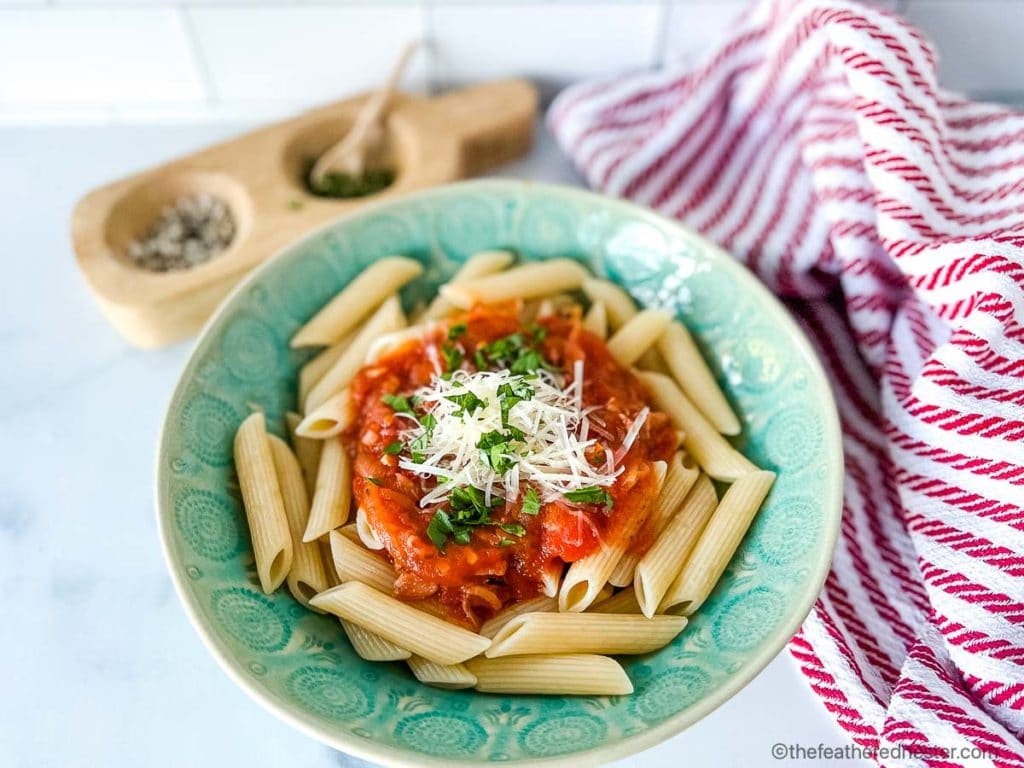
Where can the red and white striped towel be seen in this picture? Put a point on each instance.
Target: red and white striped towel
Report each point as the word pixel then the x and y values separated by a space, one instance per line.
pixel 816 145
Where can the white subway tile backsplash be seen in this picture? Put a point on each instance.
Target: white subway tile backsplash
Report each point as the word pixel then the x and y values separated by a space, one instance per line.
pixel 978 42
pixel 551 43
pixel 305 53
pixel 93 56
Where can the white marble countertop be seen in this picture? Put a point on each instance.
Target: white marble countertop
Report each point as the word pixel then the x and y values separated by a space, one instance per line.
pixel 98 663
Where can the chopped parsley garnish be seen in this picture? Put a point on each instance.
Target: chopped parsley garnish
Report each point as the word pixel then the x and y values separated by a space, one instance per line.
pixel 510 394
pixel 456 330
pixel 591 495
pixel 394 448
pixel 373 480
pixel 531 502
pixel 467 509
pixel 495 449
pixel 513 528
pixel 439 529
pixel 453 356
pixel 398 403
pixel 503 542
pixel 513 352
pixel 467 402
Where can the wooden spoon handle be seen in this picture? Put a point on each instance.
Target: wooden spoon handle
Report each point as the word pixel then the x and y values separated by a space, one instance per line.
pixel 353 146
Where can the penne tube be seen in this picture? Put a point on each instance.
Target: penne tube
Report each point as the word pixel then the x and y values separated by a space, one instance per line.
pixel 691 372
pixel 351 532
pixel 372 647
pixel 623 602
pixel 620 309
pixel 330 418
pixel 332 498
pixel 605 633
pixel 389 342
pixel 701 440
pixel 386 319
pixel 452 677
pixel 587 576
pixel 658 568
pixel 618 304
pixel 353 562
pixel 539 604
pixel 560 675
pixel 357 300
pixel 327 558
pixel 314 370
pixel 306 577
pixel 596 320
pixel 717 543
pixel 307 451
pixel 528 281
pixel 637 335
pixel 367 535
pixel 682 474
pixel 419 632
pixel 477 265
pixel 605 594
pixel 263 502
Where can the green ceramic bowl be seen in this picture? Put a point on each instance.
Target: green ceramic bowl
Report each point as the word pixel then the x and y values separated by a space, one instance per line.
pixel 299 664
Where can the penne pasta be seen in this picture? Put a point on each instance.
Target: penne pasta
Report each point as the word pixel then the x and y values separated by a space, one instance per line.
pixel 637 335
pixel 658 568
pixel 458 417
pixel 314 370
pixel 306 577
pixel 357 300
pixel 477 265
pixel 596 320
pixel 353 562
pixel 528 281
pixel 561 675
pixel 618 304
pixel 389 342
pixel 327 558
pixel 587 576
pixel 332 498
pixel 330 418
pixel 453 677
pixel 264 505
pixel 694 377
pixel 419 632
pixel 372 647
pixel 307 451
pixel 701 440
pixel 605 633
pixel 366 534
pixel 539 604
pixel 717 543
pixel 623 602
pixel 620 309
pixel 386 319
pixel 680 478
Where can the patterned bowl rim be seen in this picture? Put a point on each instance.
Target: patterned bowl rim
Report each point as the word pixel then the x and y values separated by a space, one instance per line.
pixel 624 747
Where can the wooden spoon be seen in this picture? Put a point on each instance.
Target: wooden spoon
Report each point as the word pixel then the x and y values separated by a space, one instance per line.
pixel 366 138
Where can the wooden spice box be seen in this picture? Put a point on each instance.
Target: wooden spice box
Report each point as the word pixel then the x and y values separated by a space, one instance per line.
pixel 259 175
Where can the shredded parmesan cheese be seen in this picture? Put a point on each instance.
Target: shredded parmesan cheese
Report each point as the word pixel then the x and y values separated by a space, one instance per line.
pixel 556 435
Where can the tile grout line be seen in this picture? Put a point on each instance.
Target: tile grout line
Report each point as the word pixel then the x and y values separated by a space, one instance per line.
pixel 661 39
pixel 198 55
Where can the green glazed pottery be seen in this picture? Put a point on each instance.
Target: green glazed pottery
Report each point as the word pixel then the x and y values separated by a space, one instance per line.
pixel 299 664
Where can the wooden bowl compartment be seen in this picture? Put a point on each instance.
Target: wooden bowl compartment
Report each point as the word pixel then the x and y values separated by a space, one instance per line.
pixel 259 176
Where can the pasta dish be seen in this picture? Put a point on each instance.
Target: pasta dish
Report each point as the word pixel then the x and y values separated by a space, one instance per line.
pixel 508 488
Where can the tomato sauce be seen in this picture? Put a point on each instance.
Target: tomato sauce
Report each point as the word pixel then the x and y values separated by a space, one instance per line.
pixel 475 580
